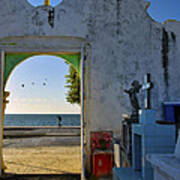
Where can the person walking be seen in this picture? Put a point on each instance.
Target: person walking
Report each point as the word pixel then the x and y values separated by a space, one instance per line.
pixel 59 120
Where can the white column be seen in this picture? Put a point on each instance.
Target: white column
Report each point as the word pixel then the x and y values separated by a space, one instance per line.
pixel 2 57
pixel 82 113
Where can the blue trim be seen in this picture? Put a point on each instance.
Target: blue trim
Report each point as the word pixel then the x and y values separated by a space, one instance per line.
pixel 169 113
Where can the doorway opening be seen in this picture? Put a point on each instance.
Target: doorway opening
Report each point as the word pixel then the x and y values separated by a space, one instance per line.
pixel 49 137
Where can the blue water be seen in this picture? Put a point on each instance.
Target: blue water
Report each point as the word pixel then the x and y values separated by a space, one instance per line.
pixel 41 119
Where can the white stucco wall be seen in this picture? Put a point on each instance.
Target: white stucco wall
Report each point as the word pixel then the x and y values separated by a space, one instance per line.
pixel 125 44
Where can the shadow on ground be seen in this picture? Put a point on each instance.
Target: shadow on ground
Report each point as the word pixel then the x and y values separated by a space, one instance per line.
pixel 42 177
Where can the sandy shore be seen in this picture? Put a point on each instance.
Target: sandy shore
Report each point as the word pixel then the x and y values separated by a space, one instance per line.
pixel 42 155
pixel 43 160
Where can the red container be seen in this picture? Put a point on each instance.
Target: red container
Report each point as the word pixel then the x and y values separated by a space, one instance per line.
pixel 102 163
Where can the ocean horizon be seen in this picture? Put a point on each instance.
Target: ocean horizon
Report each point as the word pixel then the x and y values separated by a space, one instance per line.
pixel 39 119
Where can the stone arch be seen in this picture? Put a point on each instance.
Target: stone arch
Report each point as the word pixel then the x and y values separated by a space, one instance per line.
pixel 13 59
pixel 16 49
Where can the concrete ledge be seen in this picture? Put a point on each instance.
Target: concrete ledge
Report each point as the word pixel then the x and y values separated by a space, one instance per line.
pixel 126 174
pixel 39 127
pixel 14 132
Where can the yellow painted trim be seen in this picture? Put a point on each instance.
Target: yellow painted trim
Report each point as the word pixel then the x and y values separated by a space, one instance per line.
pixel 2 111
pixel 5 95
pixel 147 5
pixel 171 20
pixel 47 2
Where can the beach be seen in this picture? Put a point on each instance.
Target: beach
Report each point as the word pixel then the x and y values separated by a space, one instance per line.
pixel 56 152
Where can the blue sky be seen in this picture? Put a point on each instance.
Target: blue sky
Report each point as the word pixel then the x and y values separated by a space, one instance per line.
pixel 35 97
pixel 37 86
pixel 162 10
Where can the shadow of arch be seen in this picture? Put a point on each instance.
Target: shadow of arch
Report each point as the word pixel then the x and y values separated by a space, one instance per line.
pixel 14 59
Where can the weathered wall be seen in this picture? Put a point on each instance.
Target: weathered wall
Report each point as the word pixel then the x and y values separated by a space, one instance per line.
pixel 125 44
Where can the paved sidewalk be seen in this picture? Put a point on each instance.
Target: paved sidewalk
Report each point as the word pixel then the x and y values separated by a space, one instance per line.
pixel 42 177
pixel 43 160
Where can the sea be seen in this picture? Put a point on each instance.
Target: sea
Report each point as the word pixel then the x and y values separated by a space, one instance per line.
pixel 41 119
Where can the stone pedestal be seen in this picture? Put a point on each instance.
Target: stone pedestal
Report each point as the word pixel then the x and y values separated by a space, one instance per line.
pixel 147 137
pixel 166 166
pixel 150 138
pixel 126 174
